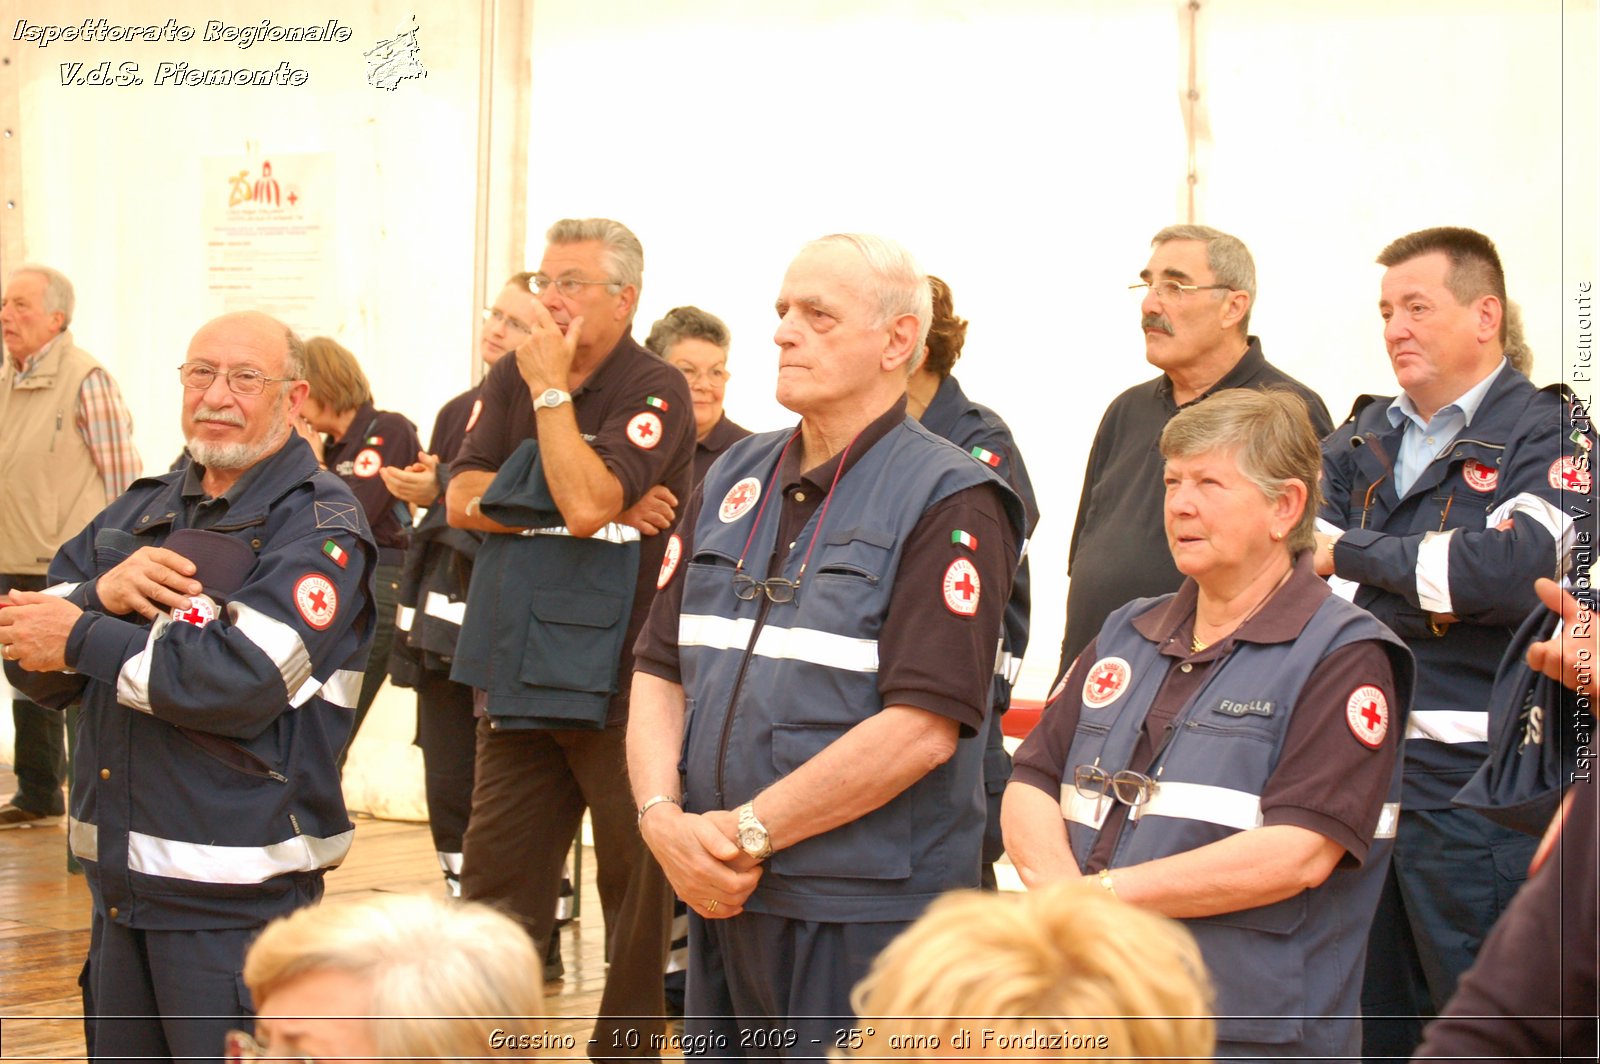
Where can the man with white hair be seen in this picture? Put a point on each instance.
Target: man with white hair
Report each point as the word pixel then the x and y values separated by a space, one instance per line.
pixel 66 449
pixel 214 623
pixel 819 663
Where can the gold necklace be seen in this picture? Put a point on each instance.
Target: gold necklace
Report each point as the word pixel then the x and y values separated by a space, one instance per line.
pixel 1195 644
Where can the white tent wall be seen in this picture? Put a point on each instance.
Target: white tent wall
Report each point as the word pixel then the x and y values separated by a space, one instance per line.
pixel 1024 150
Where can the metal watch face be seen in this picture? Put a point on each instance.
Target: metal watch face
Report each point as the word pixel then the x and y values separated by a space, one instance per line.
pixel 752 840
pixel 553 397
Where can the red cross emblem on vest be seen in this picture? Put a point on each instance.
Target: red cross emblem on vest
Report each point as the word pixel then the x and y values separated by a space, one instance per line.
pixel 740 498
pixel 1106 681
pixel 1568 474
pixel 367 463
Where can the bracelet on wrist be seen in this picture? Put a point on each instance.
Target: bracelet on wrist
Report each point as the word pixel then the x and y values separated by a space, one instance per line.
pixel 653 801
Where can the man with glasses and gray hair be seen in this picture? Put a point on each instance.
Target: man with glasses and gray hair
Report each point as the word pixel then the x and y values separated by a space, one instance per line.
pixel 1196 294
pixel 66 449
pixel 819 664
pixel 213 622
pixel 579 429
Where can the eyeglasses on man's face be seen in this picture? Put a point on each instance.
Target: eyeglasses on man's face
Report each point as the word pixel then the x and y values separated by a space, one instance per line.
pixel 198 376
pixel 567 286
pixel 500 317
pixel 1173 291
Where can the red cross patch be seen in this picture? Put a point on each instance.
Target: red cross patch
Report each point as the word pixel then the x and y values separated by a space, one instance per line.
pixel 962 588
pixel 1478 476
pixel 1367 712
pixel 200 612
pixel 367 463
pixel 669 561
pixel 316 599
pixel 472 418
pixel 740 498
pixel 1106 682
pixel 645 430
pixel 1567 474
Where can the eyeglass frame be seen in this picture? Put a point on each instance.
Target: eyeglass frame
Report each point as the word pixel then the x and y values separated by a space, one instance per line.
pixel 1110 784
pixel 228 377
pixel 496 314
pixel 236 1044
pixel 567 286
pixel 1179 288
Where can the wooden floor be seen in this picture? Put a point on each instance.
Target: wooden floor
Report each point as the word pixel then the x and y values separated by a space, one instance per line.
pixel 44 931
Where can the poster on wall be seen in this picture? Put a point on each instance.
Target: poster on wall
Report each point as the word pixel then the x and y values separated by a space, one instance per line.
pixel 267 227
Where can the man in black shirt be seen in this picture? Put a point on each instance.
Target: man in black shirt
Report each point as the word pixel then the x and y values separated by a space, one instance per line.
pixel 1198 290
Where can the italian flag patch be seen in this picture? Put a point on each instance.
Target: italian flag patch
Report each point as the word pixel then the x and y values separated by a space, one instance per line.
pixel 964 539
pixel 374 441
pixel 659 404
pixel 988 458
pixel 340 556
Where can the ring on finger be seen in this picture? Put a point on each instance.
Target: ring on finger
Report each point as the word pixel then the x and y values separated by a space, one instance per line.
pixel 711 905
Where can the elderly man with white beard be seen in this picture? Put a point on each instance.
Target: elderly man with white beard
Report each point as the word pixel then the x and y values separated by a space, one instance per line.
pixel 213 622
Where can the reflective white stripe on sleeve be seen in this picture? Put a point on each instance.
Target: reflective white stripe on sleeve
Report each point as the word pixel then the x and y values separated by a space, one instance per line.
pixel 1076 809
pixel 133 681
pixel 1200 801
pixel 612 533
pixel 1448 725
pixel 343 689
pixel 404 618
pixel 61 590
pixel 1388 821
pixel 202 863
pixel 450 863
pixel 440 606
pixel 789 644
pixel 1433 572
pixel 277 641
pixel 1023 553
pixel 1547 514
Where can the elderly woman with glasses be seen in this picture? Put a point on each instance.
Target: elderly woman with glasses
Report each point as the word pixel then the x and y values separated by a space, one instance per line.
pixel 1228 755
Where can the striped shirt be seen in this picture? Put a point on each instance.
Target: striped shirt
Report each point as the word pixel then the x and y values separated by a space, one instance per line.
pixel 105 425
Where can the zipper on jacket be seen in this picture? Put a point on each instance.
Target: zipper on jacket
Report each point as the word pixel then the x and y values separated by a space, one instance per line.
pixel 57 434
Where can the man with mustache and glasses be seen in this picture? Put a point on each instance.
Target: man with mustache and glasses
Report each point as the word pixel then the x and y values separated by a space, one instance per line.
pixel 1196 295
pixel 66 448
pixel 213 622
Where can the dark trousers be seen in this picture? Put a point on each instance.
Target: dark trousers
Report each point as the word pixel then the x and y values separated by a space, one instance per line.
pixel 41 742
pixel 527 803
pixel 163 995
pixel 387 598
pixel 764 987
pixel 1453 873
pixel 447 734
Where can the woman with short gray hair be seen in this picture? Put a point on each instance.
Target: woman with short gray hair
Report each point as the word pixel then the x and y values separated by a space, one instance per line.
pixel 1229 755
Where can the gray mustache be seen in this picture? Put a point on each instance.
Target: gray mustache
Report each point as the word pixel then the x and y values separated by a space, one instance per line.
pixel 1156 321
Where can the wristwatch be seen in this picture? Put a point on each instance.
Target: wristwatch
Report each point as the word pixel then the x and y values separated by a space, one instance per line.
pixel 551 398
pixel 753 838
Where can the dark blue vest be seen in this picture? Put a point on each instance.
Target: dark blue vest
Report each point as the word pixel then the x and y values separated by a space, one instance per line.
pixel 1288 975
pixel 769 686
